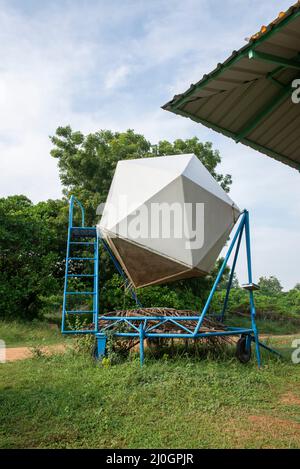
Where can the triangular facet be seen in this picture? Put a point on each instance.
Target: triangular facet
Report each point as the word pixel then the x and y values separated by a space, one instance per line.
pixel 198 173
pixel 145 267
pixel 218 219
pixel 169 243
pixel 135 181
pixel 158 181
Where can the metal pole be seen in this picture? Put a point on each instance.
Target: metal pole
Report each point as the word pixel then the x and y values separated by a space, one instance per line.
pixel 71 204
pixel 141 343
pixel 67 264
pixel 96 283
pixel 231 274
pixel 205 309
pixel 251 297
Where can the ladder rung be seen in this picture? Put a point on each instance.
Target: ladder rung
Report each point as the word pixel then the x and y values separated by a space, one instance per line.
pixel 81 275
pixel 83 228
pixel 83 242
pixel 80 293
pixel 82 258
pixel 83 232
pixel 80 312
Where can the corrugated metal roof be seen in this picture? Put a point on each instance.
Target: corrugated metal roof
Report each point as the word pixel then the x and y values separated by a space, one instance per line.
pixel 248 97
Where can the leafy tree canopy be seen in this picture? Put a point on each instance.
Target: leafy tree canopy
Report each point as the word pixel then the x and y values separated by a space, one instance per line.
pixel 32 245
pixel 33 237
pixel 87 162
pixel 270 286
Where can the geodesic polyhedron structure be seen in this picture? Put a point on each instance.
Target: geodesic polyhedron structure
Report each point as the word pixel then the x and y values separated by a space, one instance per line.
pixel 166 218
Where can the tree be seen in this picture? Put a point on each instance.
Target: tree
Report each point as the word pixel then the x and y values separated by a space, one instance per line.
pixel 269 286
pixel 87 162
pixel 32 249
pixel 297 286
pixel 225 278
pixel 204 151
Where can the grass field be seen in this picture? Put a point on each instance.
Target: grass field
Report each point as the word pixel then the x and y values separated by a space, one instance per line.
pixel 68 401
pixel 265 326
pixel 39 333
pixel 20 334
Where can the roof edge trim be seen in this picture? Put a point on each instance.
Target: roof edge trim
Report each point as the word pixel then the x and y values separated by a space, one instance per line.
pixel 245 141
pixel 235 57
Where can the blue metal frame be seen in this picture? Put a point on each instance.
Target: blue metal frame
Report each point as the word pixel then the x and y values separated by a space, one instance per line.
pixel 92 231
pixel 145 330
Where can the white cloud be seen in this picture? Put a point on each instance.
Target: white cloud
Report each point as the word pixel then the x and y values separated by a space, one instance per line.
pixel 101 64
pixel 116 77
pixel 274 252
pixel 271 193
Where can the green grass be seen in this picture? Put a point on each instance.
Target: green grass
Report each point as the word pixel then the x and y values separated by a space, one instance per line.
pixel 265 326
pixel 69 401
pixel 19 334
pixel 35 333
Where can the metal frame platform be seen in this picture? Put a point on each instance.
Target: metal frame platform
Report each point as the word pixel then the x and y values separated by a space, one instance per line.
pixel 138 326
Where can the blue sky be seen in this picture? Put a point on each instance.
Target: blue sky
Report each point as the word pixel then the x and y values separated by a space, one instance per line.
pixel 112 64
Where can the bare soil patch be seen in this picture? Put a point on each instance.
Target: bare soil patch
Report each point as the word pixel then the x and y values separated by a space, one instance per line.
pixel 290 399
pixel 21 353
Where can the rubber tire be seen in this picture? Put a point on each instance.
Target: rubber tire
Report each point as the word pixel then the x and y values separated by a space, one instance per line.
pixel 242 354
pixel 94 351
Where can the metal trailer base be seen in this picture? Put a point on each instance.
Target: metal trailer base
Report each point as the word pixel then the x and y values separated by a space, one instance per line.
pixel 142 335
pixel 101 338
pixel 144 330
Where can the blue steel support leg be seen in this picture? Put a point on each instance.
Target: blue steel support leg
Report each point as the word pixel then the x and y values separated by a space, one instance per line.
pixel 232 274
pixel 63 322
pixel 72 201
pixel 94 296
pixel 101 345
pixel 271 350
pixel 63 325
pixel 219 276
pixel 142 336
pixel 96 284
pixel 252 306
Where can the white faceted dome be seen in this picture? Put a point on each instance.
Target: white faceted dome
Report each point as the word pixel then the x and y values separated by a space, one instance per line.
pixel 166 218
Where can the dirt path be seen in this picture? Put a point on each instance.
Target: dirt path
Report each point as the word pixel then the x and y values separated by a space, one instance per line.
pixel 20 353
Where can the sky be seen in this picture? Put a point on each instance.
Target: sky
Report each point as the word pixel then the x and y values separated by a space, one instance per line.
pixel 99 64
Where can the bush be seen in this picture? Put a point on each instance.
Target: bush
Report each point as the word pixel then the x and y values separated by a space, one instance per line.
pixel 31 257
pixel 280 305
pixel 114 296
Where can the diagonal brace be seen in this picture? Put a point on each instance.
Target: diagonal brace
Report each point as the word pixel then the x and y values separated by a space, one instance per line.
pixel 219 276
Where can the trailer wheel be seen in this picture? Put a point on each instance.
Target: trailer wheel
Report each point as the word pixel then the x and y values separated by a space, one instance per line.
pixel 94 351
pixel 242 353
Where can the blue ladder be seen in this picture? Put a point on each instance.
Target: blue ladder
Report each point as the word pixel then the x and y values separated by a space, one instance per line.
pixel 78 236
